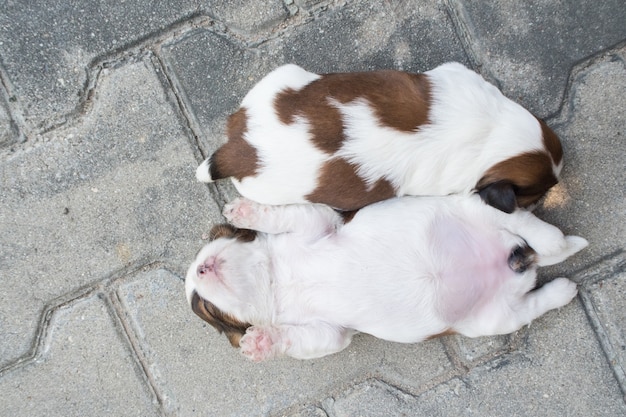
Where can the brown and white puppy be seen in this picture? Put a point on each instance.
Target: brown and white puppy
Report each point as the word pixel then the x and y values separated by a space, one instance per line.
pixel 403 270
pixel 349 140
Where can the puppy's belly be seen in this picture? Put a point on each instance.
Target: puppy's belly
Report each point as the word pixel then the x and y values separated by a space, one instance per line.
pixel 472 265
pixel 439 271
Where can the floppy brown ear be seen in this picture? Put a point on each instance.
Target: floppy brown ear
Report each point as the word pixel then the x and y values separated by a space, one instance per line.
pixel 230 231
pixel 222 322
pixel 234 337
pixel 501 195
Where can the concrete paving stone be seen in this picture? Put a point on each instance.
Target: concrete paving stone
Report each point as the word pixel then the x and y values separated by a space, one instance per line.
pixel 204 375
pixel 472 350
pixel 609 305
pixel 214 75
pixel 561 371
pixel 590 201
pixel 372 398
pixel 246 16
pixel 86 369
pixel 410 35
pixel 46 47
pixel 531 46
pixel 113 192
pixel 7 129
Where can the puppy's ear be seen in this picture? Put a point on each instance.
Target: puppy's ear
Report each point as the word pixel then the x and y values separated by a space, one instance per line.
pixel 229 231
pixel 500 195
pixel 222 322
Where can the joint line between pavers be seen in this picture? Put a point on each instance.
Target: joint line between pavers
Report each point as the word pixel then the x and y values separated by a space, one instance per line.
pixel 15 114
pixel 462 28
pixel 41 339
pixel 565 112
pixel 602 268
pixel 127 332
pixel 607 348
pixel 42 334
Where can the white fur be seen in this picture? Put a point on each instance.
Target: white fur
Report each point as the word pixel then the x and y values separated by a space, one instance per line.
pixel 472 126
pixel 402 270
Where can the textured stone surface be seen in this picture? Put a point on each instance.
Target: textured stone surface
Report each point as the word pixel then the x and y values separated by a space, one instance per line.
pixel 91 200
pixel 411 36
pixel 608 299
pixel 7 128
pixel 47 48
pixel 532 46
pixel 544 378
pixel 86 369
pixel 591 199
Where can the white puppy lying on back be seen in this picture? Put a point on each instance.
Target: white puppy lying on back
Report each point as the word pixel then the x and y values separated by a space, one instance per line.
pixel 403 270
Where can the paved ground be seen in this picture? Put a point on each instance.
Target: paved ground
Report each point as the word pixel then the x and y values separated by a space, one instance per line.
pixel 107 107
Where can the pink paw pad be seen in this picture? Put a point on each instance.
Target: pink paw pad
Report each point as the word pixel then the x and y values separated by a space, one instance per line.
pixel 257 344
pixel 240 212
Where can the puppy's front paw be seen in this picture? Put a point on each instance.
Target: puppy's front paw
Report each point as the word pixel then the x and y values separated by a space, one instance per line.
pixel 259 344
pixel 242 213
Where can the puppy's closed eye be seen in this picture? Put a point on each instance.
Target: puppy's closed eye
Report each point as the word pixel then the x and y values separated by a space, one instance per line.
pixel 222 322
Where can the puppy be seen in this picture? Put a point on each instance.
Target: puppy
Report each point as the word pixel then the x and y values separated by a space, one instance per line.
pixel 349 140
pixel 403 270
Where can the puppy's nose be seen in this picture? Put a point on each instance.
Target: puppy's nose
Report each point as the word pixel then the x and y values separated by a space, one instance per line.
pixel 204 269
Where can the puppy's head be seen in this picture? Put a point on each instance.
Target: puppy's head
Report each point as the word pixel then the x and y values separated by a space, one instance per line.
pixel 222 283
pixel 522 180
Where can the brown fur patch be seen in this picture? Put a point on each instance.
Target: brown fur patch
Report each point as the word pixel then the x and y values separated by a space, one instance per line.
pixel 350 192
pixel 347 216
pixel 400 100
pixel 236 158
pixel 551 142
pixel 222 322
pixel 530 174
pixel 448 332
pixel 229 231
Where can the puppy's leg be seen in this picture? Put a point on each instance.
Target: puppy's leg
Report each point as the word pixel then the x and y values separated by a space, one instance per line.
pixel 307 219
pixel 300 342
pixel 505 316
pixel 547 240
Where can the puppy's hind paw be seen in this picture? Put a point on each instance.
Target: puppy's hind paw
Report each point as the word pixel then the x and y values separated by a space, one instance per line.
pixel 561 291
pixel 258 344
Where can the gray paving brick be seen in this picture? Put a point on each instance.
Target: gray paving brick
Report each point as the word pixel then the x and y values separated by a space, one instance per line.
pixel 608 298
pixel 531 46
pixel 115 191
pixel 473 350
pixel 47 46
pixel 7 129
pixel 373 398
pixel 591 198
pixel 202 374
pixel 544 378
pixel 86 369
pixel 214 75
pixel 362 35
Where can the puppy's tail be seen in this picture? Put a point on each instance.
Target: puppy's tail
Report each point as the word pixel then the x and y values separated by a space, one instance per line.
pixel 522 258
pixel 203 172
